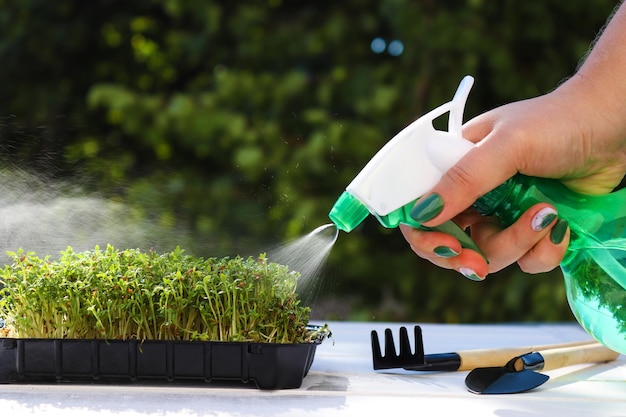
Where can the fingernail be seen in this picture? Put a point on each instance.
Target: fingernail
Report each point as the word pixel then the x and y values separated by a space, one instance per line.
pixel 558 231
pixel 469 273
pixel 445 252
pixel 543 218
pixel 427 208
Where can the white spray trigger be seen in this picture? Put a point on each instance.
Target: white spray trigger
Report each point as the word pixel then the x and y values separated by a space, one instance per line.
pixel 444 151
pixel 414 160
pixel 455 121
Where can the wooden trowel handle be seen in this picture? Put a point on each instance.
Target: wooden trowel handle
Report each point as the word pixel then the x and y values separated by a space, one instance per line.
pixel 566 356
pixel 484 358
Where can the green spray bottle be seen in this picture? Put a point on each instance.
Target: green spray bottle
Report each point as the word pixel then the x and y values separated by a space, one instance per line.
pixel 412 162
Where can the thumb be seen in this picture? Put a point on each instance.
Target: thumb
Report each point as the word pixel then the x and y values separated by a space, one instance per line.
pixel 481 170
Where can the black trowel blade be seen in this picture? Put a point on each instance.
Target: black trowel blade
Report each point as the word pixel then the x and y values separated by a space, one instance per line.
pixel 500 380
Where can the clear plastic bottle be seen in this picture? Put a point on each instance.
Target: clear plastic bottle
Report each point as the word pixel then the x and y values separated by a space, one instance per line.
pixel 594 266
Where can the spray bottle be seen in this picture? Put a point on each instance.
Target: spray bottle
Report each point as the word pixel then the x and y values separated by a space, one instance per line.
pixel 594 266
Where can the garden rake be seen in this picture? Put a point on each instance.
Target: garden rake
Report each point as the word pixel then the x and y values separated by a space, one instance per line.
pixel 452 361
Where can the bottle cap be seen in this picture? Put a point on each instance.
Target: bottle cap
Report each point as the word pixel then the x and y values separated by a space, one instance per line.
pixel 348 212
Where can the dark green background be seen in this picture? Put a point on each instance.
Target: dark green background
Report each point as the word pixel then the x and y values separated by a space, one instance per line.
pixel 238 123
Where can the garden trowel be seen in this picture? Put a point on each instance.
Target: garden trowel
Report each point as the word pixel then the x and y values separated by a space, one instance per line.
pixel 520 373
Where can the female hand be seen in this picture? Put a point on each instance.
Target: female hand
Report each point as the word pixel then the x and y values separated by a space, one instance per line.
pixel 551 136
pixel 576 133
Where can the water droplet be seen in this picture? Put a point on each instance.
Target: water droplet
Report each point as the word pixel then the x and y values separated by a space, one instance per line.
pixel 307 255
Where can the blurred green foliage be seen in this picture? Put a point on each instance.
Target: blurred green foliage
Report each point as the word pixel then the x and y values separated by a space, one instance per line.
pixel 243 121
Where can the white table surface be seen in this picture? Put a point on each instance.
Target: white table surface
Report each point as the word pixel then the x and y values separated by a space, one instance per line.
pixel 342 382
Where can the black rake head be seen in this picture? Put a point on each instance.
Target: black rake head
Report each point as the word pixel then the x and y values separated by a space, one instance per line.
pixel 405 358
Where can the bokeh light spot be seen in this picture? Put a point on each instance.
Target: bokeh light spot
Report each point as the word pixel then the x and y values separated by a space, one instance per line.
pixel 378 45
pixel 396 48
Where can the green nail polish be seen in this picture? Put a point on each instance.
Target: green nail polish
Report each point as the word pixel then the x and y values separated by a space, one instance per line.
pixel 543 219
pixel 445 252
pixel 469 273
pixel 427 208
pixel 558 231
pixel 546 221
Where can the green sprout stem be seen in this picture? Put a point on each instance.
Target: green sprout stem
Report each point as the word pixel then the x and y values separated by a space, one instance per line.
pixel 129 294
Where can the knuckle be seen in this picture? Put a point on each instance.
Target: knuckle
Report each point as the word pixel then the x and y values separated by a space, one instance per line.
pixel 537 261
pixel 459 177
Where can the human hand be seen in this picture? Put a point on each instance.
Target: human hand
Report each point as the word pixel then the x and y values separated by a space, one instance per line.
pixel 552 136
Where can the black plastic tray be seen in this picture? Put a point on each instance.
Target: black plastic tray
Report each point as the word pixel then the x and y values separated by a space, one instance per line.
pixel 268 365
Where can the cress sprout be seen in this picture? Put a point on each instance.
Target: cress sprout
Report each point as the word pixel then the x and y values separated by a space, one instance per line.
pixel 129 294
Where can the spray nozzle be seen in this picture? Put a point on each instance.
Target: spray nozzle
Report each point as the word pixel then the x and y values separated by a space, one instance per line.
pixel 348 212
pixel 407 167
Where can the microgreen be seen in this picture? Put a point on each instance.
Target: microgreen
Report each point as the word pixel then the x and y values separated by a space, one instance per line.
pixel 129 294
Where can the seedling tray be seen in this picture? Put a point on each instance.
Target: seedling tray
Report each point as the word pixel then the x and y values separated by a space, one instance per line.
pixel 268 365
